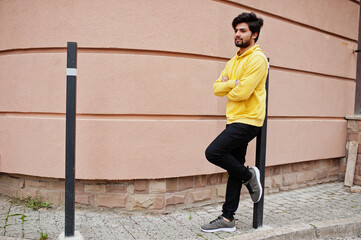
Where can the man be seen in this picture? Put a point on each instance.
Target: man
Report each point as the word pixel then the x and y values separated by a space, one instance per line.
pixel 243 83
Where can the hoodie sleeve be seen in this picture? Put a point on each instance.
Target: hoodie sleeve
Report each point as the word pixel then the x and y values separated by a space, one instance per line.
pixel 254 73
pixel 222 88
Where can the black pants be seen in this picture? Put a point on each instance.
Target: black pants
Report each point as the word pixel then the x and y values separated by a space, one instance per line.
pixel 228 151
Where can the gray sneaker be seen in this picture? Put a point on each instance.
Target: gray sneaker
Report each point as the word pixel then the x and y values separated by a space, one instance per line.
pixel 254 185
pixel 219 224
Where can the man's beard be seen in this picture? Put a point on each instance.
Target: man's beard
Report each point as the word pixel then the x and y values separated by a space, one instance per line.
pixel 242 44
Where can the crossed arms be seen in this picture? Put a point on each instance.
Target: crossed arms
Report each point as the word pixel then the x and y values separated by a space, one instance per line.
pixel 241 89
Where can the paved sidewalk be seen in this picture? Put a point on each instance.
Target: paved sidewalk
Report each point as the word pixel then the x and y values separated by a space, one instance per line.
pixel 320 211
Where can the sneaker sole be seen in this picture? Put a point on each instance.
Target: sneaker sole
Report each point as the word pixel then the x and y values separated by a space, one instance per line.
pixel 220 229
pixel 258 175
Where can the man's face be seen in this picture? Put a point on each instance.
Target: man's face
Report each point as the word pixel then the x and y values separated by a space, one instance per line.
pixel 243 36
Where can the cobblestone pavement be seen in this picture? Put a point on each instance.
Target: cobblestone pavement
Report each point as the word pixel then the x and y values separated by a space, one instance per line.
pixel 310 206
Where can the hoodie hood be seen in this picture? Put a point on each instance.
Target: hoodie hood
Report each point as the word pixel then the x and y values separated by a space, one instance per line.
pixel 253 49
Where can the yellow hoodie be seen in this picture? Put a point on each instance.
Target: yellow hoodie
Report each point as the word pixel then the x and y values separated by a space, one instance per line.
pixel 246 101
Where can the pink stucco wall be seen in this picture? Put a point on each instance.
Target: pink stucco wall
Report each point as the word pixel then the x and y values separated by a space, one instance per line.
pixel 145 76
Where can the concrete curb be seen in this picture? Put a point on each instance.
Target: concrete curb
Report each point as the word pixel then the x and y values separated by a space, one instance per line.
pixel 344 227
pixel 316 230
pixel 10 238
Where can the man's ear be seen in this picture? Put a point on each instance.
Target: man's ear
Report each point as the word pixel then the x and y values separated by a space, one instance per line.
pixel 254 35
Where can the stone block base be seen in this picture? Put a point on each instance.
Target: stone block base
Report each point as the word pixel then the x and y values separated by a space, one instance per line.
pixel 165 194
pixel 354 134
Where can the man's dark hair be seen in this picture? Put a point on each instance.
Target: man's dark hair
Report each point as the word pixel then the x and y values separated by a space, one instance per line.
pixel 254 23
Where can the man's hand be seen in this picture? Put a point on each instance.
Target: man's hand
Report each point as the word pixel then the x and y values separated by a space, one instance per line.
pixel 225 78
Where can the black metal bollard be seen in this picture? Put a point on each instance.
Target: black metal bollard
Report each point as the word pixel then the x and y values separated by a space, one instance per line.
pixel 71 73
pixel 261 164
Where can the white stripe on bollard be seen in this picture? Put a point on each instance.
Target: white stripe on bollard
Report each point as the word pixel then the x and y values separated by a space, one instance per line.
pixel 71 72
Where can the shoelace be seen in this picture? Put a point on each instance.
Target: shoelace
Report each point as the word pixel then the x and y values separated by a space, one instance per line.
pixel 216 220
